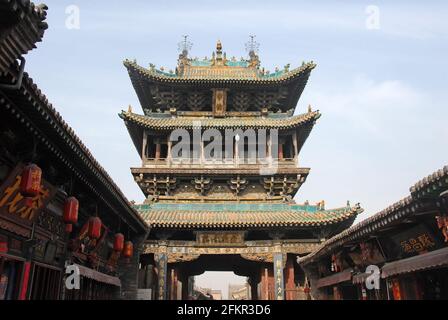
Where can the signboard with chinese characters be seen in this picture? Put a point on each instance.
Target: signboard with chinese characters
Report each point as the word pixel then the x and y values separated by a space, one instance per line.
pixel 13 204
pixel 161 261
pixel 416 240
pixel 219 102
pixel 220 238
pixel 278 276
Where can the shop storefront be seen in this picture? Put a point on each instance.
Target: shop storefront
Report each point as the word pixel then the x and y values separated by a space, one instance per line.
pixel 31 241
pixel 12 272
pixel 419 277
pixel 94 285
pixel 404 247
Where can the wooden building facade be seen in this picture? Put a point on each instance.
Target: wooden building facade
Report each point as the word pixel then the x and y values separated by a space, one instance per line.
pixel 58 206
pixel 403 248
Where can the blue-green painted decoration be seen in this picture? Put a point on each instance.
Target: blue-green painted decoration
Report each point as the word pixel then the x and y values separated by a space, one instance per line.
pixel 220 207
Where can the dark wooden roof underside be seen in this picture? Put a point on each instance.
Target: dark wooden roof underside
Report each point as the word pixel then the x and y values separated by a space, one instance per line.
pixel 143 80
pixel 22 24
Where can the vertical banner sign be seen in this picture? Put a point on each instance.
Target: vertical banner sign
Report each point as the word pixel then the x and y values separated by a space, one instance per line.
pixel 278 276
pixel 161 260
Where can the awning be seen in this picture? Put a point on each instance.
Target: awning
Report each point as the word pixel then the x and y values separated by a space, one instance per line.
pixel 433 259
pixel 360 278
pixel 336 278
pixel 98 276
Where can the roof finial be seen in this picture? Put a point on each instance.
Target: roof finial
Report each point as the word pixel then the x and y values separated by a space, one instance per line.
pixel 309 108
pixel 252 45
pixel 129 109
pixel 218 50
pixel 184 46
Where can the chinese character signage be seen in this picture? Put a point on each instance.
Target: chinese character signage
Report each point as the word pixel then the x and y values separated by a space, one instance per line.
pixel 13 204
pixel 220 238
pixel 278 276
pixel 161 260
pixel 416 240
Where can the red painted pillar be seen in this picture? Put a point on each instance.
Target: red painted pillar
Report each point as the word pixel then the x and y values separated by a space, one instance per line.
pixel 264 283
pixel 289 280
pixel 25 280
pixel 172 288
pixel 175 284
pixel 158 147
pixel 271 283
pixel 280 151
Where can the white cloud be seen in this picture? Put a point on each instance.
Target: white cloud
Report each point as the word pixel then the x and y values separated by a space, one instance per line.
pixel 366 103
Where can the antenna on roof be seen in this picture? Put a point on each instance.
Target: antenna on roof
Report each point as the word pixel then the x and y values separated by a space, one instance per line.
pixel 185 45
pixel 252 45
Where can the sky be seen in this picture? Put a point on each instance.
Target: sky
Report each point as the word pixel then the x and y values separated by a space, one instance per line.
pixel 380 81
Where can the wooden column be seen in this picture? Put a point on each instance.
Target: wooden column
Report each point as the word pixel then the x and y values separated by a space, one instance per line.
pixel 202 152
pixel 149 274
pixel 289 280
pixel 170 145
pixel 25 280
pixel 280 151
pixel 158 147
pixel 173 284
pixel 296 148
pixel 269 151
pixel 271 283
pixel 236 152
pixel 144 146
pixel 176 284
pixel 264 283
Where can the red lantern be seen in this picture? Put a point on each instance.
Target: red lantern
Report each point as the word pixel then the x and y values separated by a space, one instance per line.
pixel 128 249
pixel 70 213
pixel 31 180
pixel 118 242
pixel 94 231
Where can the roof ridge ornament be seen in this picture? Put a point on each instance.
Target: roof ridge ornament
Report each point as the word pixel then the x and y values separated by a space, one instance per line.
pixel 184 46
pixel 252 48
pixel 252 45
pixel 219 59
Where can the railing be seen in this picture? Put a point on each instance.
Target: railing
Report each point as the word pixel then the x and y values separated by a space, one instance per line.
pixel 213 163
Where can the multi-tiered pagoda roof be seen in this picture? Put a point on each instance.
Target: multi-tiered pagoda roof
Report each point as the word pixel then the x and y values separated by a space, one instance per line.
pixel 279 90
pixel 221 93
